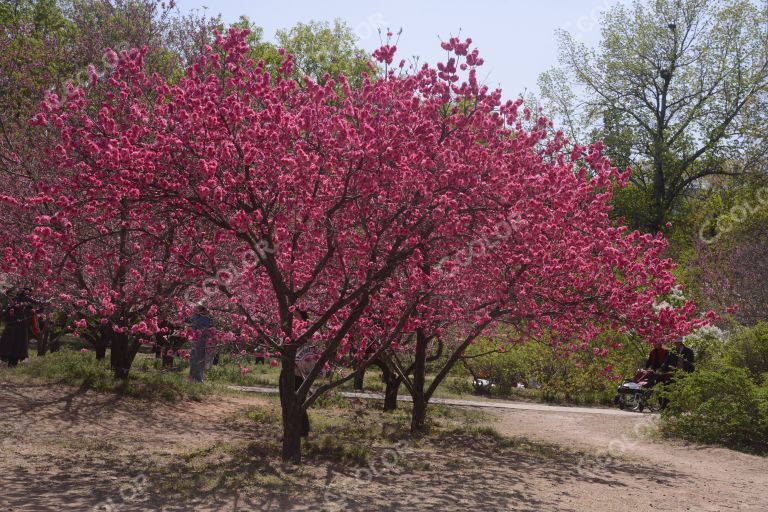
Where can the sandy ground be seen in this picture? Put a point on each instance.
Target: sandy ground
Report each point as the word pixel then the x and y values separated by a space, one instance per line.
pixel 67 449
pixel 668 476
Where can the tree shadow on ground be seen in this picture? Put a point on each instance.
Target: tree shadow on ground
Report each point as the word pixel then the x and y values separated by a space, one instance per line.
pixel 235 465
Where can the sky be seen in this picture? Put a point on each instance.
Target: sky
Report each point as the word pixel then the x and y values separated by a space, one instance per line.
pixel 516 38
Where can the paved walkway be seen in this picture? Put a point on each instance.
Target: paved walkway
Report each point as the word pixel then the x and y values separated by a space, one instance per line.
pixel 496 404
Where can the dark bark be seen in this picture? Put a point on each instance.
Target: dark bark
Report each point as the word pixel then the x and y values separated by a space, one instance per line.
pixel 292 409
pixel 55 329
pixel 122 355
pixel 359 380
pixel 100 341
pixel 390 393
pixel 392 383
pixel 292 426
pixel 659 191
pixel 660 153
pixel 419 415
pixel 100 347
pixel 417 386
pixel 419 377
pixel 43 340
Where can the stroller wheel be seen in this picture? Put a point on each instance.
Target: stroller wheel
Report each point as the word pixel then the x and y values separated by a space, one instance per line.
pixel 637 398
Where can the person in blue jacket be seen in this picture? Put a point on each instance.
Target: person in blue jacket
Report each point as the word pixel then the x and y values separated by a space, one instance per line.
pixel 202 325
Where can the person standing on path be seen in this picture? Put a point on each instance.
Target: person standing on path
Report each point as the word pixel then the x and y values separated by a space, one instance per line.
pixel 202 326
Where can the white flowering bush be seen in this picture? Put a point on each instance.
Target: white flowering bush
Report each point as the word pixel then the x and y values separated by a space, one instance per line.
pixel 707 342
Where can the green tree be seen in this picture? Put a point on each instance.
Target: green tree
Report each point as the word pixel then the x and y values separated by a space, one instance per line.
pixel 673 88
pixel 321 47
pixel 260 48
pixel 46 43
pixel 173 39
pixel 317 48
pixel 34 56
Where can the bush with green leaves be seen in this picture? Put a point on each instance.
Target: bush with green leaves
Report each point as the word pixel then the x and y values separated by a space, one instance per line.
pixel 579 376
pixel 718 404
pixel 748 348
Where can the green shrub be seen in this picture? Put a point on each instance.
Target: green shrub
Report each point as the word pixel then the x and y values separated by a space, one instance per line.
pixel 557 375
pixel 748 348
pixel 265 415
pixel 762 397
pixel 459 384
pixel 718 405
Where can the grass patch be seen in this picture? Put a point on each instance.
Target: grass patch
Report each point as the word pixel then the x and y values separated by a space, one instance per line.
pixel 332 400
pixel 332 448
pixel 268 416
pixel 242 371
pixel 84 371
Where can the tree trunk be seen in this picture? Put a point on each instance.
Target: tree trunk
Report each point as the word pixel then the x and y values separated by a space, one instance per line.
pixel 118 355
pixel 100 342
pixel 419 378
pixel 291 451
pixel 392 384
pixel 122 354
pixel 291 409
pixel 419 415
pixel 390 393
pixel 100 346
pixel 359 378
pixel 658 215
pixel 42 340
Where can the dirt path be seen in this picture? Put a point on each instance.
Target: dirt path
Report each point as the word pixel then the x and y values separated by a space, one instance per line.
pixel 484 403
pixel 700 478
pixel 63 449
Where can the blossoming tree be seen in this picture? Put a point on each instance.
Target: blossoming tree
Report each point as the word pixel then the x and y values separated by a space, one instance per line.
pixel 334 217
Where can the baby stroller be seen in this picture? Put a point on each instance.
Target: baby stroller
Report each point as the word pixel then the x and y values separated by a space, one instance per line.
pixel 637 394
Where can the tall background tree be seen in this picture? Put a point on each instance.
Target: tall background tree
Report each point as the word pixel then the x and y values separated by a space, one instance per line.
pixel 674 88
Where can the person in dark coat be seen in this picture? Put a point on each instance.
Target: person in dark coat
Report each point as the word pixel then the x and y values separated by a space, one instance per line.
pixel 657 357
pixel 17 316
pixel 679 358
